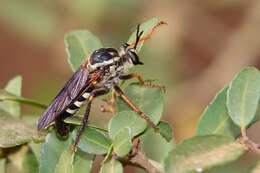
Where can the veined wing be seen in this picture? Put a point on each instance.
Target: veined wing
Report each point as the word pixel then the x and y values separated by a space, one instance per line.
pixel 73 87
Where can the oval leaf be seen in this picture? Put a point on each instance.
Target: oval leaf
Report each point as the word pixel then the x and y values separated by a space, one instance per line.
pixel 122 143
pixel 216 120
pixel 14 131
pixel 71 162
pixel 243 96
pixel 165 131
pixel 65 162
pixel 155 146
pixel 202 152
pixel 126 119
pixel 146 27
pixel 149 100
pixel 52 150
pixel 14 86
pixel 93 141
pixel 80 44
pixel 83 162
pixel 112 166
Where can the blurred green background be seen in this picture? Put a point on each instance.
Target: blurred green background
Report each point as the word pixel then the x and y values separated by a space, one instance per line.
pixel 200 50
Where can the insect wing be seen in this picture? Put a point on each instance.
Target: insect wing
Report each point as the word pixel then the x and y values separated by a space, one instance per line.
pixel 68 93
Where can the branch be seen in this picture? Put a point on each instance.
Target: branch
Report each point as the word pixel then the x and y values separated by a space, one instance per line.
pixel 137 158
pixel 249 144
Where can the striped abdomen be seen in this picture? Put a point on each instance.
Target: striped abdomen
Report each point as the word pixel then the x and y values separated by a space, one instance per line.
pixel 74 107
pixel 63 128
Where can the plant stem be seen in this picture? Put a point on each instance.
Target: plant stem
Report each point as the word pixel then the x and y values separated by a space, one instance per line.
pixel 26 101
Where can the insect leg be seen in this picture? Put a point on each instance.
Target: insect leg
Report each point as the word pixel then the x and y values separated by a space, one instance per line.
pixel 142 82
pixel 94 93
pixel 129 102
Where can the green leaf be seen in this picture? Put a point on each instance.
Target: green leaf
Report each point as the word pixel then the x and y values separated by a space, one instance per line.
pixel 200 153
pixel 14 86
pixel 126 119
pixel 243 96
pixel 52 149
pixel 155 146
pixel 36 149
pixel 149 100
pixel 14 131
pixel 71 162
pixel 165 131
pixel 255 168
pixel 30 163
pixel 80 44
pixel 146 27
pixel 2 165
pixel 65 163
pixel 4 95
pixel 57 155
pixel 122 143
pixel 83 162
pixel 216 120
pixel 93 141
pixel 112 166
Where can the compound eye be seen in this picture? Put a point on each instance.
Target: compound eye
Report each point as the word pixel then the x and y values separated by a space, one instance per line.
pixel 134 57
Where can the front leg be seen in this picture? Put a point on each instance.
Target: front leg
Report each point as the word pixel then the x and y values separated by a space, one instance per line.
pixel 131 104
pixel 94 93
pixel 141 81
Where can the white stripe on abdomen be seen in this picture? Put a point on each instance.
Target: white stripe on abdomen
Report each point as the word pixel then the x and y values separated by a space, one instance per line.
pixel 71 111
pixel 78 103
pixel 85 95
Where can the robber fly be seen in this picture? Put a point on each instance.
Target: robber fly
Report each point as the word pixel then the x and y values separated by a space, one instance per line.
pixel 95 77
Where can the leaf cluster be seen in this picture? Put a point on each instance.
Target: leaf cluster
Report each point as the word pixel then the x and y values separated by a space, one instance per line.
pixel 128 139
pixel 233 110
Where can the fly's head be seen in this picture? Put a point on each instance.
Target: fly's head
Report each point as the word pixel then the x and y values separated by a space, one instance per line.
pixel 129 54
pixel 105 58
